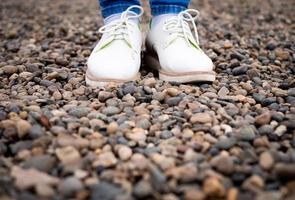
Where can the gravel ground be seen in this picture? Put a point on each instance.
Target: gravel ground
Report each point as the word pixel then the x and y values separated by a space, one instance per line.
pixel 233 139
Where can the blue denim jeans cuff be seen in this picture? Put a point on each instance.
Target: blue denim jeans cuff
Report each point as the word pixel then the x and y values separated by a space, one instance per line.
pixel 166 9
pixel 115 9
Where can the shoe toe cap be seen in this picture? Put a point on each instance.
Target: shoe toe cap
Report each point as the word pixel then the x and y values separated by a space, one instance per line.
pixel 109 66
pixel 190 62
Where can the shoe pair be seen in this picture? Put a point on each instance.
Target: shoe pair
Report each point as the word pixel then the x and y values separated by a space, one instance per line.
pixel 172 49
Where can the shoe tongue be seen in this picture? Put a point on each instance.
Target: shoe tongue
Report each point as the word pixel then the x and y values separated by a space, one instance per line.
pixel 162 18
pixel 117 17
pixel 112 18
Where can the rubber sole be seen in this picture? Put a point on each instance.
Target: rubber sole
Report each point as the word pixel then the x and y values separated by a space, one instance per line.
pixel 105 82
pixel 187 77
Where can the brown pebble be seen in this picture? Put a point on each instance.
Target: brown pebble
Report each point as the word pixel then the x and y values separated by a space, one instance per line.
pixel 201 118
pixel 263 119
pixel 112 127
pixel 213 188
pixel 266 160
pixel 23 128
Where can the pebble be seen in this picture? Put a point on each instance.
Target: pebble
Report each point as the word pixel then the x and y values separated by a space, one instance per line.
pixel 70 186
pixel 106 159
pixel 223 164
pixel 266 161
pixel 173 92
pixel 151 82
pixel 23 128
pixel 112 127
pixel 280 130
pixel 282 54
pixel 26 179
pixel 137 135
pixel 111 110
pixel 124 153
pixel 185 173
pixel 173 101
pixel 10 69
pixel 129 89
pixel 79 111
pixel 106 191
pixel 201 118
pixel 192 194
pixel 271 46
pixel 213 188
pixel 226 143
pixel 143 123
pixel 279 92
pixel 44 190
pixel 223 92
pixel 142 189
pixel 263 119
pixel 68 155
pixel 247 133
pixel 291 92
pixel 158 179
pixel 36 131
pixel 159 96
pixel 44 163
pixel 240 70
pixel 265 129
pixel 285 171
pixel 253 183
pixel 232 194
pixel 103 96
pixel 166 134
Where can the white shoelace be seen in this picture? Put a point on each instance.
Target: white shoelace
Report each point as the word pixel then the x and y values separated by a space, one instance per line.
pixel 181 27
pixel 120 29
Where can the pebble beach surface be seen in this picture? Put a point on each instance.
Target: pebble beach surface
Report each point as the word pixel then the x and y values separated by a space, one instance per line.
pixel 233 139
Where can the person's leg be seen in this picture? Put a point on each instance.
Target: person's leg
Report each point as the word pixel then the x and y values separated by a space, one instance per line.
pixel 159 7
pixel 173 47
pixel 110 7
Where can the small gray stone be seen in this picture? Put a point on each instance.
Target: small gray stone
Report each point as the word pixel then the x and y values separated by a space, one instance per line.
pixel 36 131
pixel 159 96
pixel 142 189
pixel 226 143
pixel 265 129
pixel 173 101
pixel 111 110
pixel 291 92
pixel 43 163
pixel 3 115
pixel 247 133
pixel 143 123
pixel 70 186
pixel 166 134
pixel 46 83
pixel 158 178
pixel 240 70
pixel 79 111
pixel 105 191
pixel 129 89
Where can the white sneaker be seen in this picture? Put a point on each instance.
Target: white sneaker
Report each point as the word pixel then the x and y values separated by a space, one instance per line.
pixel 175 51
pixel 116 57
